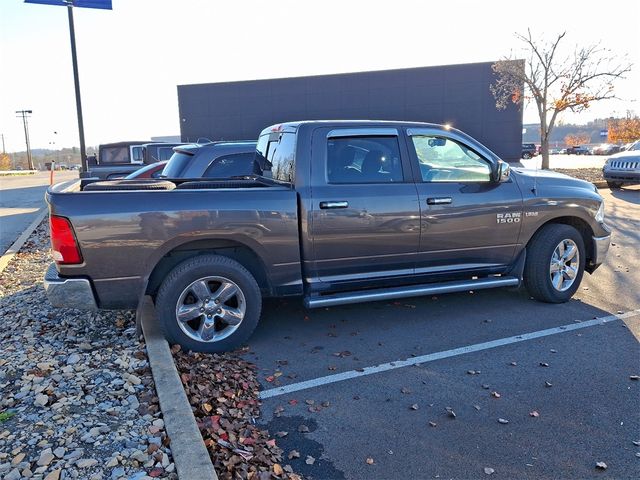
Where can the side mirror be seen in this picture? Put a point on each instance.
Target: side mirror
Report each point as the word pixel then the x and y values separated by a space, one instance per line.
pixel 502 171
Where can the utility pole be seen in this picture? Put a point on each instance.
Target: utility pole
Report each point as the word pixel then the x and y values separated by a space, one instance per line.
pixel 25 115
pixel 3 150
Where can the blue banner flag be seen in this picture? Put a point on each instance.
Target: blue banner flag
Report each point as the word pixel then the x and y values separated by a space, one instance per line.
pixel 103 4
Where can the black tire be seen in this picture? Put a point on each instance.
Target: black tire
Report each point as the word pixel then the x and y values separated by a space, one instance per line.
pixel 537 276
pixel 192 270
pixel 526 155
pixel 612 184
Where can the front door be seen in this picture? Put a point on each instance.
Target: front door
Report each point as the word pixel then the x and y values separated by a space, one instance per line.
pixel 469 221
pixel 365 219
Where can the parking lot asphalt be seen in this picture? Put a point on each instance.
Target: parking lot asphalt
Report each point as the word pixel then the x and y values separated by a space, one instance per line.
pixel 538 390
pixel 21 197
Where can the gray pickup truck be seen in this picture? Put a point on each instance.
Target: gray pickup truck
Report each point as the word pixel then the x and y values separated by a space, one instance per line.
pixel 345 212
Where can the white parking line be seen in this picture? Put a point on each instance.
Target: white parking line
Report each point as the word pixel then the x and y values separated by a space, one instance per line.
pixel 339 377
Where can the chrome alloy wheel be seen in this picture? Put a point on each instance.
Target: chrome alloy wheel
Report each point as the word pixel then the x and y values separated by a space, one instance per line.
pixel 564 265
pixel 210 309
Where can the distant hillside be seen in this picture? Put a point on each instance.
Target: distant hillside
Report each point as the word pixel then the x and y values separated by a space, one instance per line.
pixel 593 129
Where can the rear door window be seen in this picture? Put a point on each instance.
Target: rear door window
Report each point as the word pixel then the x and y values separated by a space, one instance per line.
pixel 364 159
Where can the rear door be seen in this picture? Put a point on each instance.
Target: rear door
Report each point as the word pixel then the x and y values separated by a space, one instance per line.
pixel 469 222
pixel 365 219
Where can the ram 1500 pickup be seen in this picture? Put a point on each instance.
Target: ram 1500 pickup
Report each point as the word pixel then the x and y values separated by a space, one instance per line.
pixel 345 212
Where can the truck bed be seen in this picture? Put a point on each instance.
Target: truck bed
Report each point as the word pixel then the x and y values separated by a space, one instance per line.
pixel 123 234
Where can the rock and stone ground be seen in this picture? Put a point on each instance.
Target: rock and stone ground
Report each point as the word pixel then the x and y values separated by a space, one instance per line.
pixel 77 399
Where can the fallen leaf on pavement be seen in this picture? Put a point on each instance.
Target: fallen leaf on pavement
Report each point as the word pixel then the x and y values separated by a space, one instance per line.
pixel 495 395
pixel 433 424
pixel 477 407
pixel 277 469
pixel 601 465
pixel 293 401
pixel 514 364
pixel 281 434
pixel 293 454
pixel 370 461
pixel 503 421
pixel 634 377
pixel 450 412
pixel 548 384
pixel 414 406
pixel 544 364
pixel 310 460
pixel 405 390
pixel 303 429
pixel 534 414
pixel 488 470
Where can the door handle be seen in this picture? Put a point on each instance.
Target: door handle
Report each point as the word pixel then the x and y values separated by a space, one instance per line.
pixel 326 205
pixel 438 200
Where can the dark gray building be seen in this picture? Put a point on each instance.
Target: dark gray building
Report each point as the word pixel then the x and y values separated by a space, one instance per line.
pixel 454 94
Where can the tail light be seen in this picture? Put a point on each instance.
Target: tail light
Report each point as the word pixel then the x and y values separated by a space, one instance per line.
pixel 64 247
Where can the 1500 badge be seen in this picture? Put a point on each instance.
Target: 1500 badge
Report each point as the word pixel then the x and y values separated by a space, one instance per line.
pixel 508 217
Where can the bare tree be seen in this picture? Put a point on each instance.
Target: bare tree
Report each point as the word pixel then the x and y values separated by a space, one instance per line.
pixel 556 82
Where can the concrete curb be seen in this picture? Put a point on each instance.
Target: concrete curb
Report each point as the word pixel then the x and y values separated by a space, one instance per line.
pixel 17 245
pixel 189 452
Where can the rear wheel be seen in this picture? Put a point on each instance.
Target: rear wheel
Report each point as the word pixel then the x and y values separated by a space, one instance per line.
pixel 555 263
pixel 526 155
pixel 612 184
pixel 209 303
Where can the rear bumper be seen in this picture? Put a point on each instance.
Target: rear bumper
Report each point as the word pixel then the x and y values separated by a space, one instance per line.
pixel 68 292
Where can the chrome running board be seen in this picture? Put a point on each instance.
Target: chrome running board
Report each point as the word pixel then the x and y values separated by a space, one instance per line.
pixel 345 298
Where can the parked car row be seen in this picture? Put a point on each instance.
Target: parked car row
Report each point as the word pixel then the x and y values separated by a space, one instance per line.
pixel 211 160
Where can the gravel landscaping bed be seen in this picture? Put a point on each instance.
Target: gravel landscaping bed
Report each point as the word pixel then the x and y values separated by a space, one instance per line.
pixel 223 392
pixel 588 174
pixel 77 398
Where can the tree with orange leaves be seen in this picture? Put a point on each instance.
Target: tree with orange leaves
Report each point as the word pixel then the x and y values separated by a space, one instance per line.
pixel 556 82
pixel 573 140
pixel 624 130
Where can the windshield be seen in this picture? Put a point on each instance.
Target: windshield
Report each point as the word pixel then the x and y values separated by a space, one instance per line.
pixel 635 146
pixel 176 165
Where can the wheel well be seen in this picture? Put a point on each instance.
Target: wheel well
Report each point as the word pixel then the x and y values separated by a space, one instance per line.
pixel 583 227
pixel 237 251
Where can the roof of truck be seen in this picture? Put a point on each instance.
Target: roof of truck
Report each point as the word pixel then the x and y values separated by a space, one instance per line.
pixel 292 126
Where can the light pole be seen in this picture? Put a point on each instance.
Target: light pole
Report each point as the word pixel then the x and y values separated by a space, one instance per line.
pixel 25 115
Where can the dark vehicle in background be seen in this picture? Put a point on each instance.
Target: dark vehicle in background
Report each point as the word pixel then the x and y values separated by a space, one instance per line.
pixel 623 168
pixel 577 150
pixel 344 212
pixel 148 171
pixel 115 160
pixel 529 150
pixel 213 160
pixel 157 152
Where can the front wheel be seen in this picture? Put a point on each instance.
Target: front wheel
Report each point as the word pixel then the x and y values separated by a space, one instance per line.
pixel 208 303
pixel 555 263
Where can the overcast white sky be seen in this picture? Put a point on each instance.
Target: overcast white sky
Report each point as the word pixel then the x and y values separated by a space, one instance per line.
pixel 132 58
